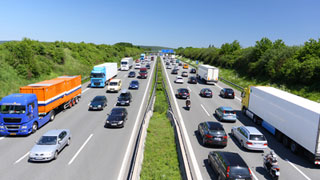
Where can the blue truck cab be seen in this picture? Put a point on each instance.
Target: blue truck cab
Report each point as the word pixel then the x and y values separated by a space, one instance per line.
pixel 142 56
pixel 19 115
pixel 98 77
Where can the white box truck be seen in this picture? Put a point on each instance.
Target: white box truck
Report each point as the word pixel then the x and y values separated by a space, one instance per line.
pixel 126 63
pixel 102 73
pixel 208 73
pixel 295 121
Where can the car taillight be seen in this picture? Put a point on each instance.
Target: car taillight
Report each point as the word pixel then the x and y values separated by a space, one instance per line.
pixel 234 112
pixel 249 143
pixel 224 112
pixel 278 169
pixel 250 171
pixel 208 136
pixel 225 93
pixel 233 94
pixel 225 137
pixel 265 144
pixel 188 94
pixel 228 170
pixel 179 93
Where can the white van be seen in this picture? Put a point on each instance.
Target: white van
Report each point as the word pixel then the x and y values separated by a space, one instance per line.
pixel 114 85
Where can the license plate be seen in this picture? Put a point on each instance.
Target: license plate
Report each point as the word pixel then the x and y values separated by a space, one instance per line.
pixel 113 124
pixel 218 139
pixel 122 103
pixel 240 179
pixel 13 134
pixel 230 94
pixel 94 107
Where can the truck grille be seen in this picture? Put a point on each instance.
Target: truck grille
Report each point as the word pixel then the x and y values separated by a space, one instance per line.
pixel 96 83
pixel 13 127
pixel 12 120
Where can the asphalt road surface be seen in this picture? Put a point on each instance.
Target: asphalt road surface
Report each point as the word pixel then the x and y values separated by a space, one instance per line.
pixel 292 166
pixel 95 151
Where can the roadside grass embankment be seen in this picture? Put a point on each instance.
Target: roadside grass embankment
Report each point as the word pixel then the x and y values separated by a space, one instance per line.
pixel 160 156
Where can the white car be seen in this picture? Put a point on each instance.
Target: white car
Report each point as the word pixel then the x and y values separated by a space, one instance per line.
pixel 249 137
pixel 138 66
pixel 179 79
pixel 168 66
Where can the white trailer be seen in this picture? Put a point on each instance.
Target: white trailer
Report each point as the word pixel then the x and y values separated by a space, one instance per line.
pixel 126 63
pixel 295 121
pixel 208 73
pixel 111 70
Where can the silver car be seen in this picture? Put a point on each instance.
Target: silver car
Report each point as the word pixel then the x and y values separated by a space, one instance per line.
pixel 250 138
pixel 50 144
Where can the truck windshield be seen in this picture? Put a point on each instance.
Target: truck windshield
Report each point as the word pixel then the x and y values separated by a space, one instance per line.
pixel 124 63
pixel 97 75
pixel 12 109
pixel 47 140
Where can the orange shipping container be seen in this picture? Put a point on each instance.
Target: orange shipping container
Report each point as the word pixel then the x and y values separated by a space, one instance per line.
pixel 55 92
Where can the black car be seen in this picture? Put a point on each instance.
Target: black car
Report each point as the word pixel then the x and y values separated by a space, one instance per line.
pixel 124 98
pixel 192 80
pixel 193 71
pixel 183 93
pixel 206 92
pixel 180 64
pixel 117 118
pixel 227 93
pixel 148 66
pixel 98 103
pixel 132 74
pixel 229 165
pixel 212 133
pixel 174 71
pixel 167 63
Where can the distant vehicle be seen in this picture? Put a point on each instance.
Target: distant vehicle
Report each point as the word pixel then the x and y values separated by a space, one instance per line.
pixel 143 73
pixel 180 64
pixel 249 137
pixel 114 85
pixel 177 61
pixel 169 66
pixel 137 66
pixel 208 73
pixel 148 66
pixel 126 63
pixel 227 93
pixel 152 58
pixel 185 66
pixel 192 80
pixel 212 133
pixel 167 63
pixel 117 118
pixel 176 67
pixel 183 93
pixel 102 73
pixel 142 56
pixel 50 144
pixel 98 103
pixel 179 79
pixel 193 71
pixel 229 165
pixel 293 120
pixel 137 60
pixel 174 71
pixel 184 74
pixel 132 74
pixel 134 84
pixel 226 114
pixel 206 92
pixel 125 98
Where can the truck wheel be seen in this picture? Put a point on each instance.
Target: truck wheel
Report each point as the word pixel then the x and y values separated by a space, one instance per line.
pixel 52 115
pixel 285 141
pixel 243 110
pixel 34 127
pixel 255 119
pixel 278 136
pixel 294 147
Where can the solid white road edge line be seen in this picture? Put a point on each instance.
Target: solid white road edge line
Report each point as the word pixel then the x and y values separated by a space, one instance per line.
pixel 22 158
pixel 189 88
pixel 298 169
pixel 77 153
pixel 205 110
pixel 234 96
pixel 184 130
pixel 255 177
pixel 126 156
pixel 1 138
pixel 85 90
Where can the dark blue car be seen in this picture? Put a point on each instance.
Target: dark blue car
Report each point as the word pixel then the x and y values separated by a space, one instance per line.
pixel 134 84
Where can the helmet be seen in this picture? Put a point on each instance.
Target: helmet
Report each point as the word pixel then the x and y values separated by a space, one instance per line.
pixel 272 153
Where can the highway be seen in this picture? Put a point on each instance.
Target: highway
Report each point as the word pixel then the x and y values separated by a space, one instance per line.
pixel 95 151
pixel 202 109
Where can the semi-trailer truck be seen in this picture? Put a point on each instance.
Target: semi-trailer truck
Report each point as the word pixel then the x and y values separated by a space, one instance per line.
pixel 293 120
pixel 208 73
pixel 36 104
pixel 102 73
pixel 126 63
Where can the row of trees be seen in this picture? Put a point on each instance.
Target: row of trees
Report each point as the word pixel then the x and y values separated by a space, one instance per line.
pixel 274 61
pixel 26 61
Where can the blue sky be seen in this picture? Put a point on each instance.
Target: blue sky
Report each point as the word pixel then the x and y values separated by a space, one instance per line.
pixel 171 23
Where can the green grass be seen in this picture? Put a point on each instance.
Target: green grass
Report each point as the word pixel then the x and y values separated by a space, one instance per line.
pixel 160 155
pixel 245 81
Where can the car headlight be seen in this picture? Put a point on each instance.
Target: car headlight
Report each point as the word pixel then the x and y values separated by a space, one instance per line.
pixel 107 121
pixel 1 127
pixel 99 105
pixel 120 122
pixel 22 127
pixel 127 101
pixel 90 106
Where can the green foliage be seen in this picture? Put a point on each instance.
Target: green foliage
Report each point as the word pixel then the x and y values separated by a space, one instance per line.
pixel 29 61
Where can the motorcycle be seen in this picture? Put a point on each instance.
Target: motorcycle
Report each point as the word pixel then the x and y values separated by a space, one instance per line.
pixel 274 170
pixel 188 104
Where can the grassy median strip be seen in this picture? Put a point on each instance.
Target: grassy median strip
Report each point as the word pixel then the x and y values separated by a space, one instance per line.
pixel 160 156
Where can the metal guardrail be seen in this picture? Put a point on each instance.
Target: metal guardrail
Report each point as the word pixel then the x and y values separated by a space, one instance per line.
pixel 222 79
pixel 136 146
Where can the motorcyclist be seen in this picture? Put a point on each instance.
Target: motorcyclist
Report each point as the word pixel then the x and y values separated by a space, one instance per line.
pixel 271 158
pixel 188 103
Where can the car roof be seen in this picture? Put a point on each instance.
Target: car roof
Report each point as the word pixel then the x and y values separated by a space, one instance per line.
pixel 124 91
pixel 232 159
pixel 134 81
pixel 205 89
pixel 179 77
pixel 253 130
pixel 54 132
pixel 228 89
pixel 99 96
pixel 214 124
pixel 118 109
pixel 115 80
pixel 226 108
pixel 183 89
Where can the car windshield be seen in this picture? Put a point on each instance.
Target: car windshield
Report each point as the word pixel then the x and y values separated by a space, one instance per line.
pixel 229 90
pixel 12 109
pixel 239 171
pixel 183 90
pixel 122 95
pixel 98 98
pixel 143 71
pixel 229 112
pixel 216 128
pixel 117 112
pixel 113 83
pixel 97 75
pixel 134 82
pixel 257 137
pixel 131 72
pixel 47 140
pixel 124 63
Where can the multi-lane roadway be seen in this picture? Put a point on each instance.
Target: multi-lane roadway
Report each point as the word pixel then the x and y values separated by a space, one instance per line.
pixel 202 109
pixel 95 152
